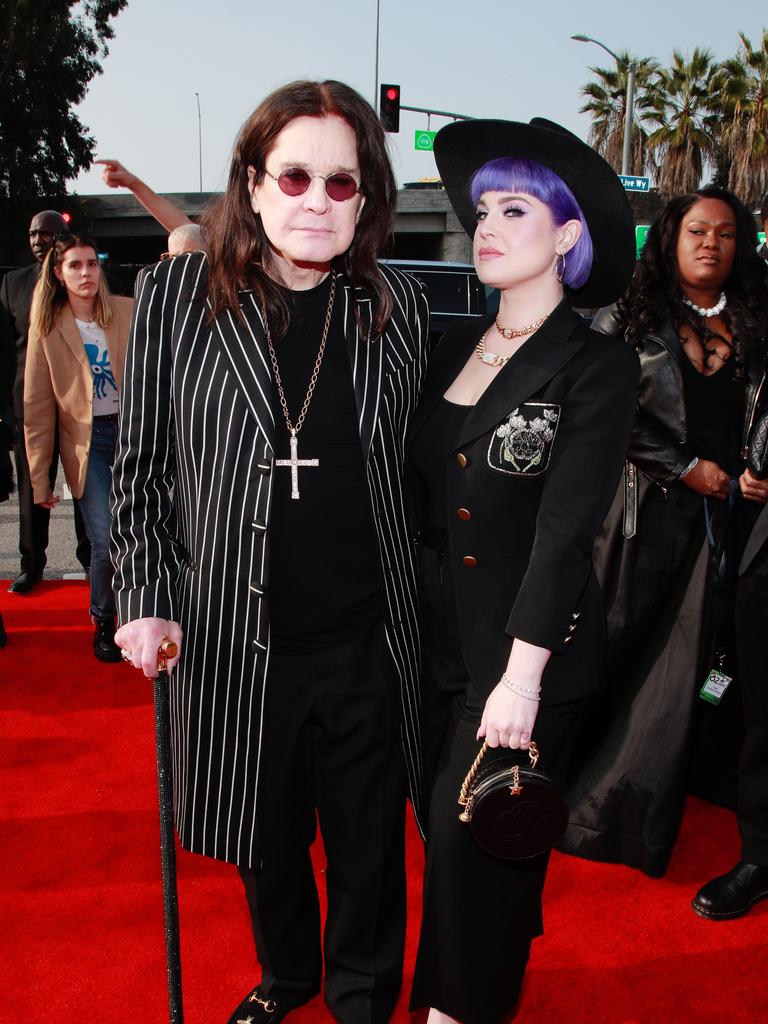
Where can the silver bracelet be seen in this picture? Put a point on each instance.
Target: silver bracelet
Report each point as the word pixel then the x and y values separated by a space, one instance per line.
pixel 529 692
pixel 691 465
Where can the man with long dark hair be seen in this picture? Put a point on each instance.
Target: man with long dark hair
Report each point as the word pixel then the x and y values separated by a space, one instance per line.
pixel 260 523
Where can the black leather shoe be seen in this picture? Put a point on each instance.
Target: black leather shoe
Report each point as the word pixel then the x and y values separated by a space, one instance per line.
pixel 104 646
pixel 257 1008
pixel 24 582
pixel 733 894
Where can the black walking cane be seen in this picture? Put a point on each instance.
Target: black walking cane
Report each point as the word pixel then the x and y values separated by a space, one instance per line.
pixel 168 649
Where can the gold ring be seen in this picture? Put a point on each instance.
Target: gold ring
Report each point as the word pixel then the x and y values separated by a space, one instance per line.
pixel 168 648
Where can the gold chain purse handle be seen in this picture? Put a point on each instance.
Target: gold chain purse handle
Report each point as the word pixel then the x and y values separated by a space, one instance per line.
pixel 533 754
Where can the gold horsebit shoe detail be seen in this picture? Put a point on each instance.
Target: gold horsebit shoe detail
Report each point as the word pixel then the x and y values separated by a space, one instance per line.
pixel 269 1006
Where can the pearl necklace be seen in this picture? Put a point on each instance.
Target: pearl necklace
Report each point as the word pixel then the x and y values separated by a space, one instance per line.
pixel 718 307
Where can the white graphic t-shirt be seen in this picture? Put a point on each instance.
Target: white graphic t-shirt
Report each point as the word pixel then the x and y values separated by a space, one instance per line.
pixel 105 396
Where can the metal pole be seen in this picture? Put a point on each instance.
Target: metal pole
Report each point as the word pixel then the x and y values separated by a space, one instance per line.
pixel 199 140
pixel 376 68
pixel 626 156
pixel 631 69
pixel 438 113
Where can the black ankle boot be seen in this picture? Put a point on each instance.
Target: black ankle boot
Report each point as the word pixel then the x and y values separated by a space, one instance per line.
pixel 733 894
pixel 104 646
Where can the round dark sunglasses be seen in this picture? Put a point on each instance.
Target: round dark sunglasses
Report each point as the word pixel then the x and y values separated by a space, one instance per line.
pixel 295 181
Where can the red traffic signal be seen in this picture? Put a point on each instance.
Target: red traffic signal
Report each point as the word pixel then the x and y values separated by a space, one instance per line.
pixel 389 107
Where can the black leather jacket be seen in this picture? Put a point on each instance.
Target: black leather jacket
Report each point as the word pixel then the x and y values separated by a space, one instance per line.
pixel 659 445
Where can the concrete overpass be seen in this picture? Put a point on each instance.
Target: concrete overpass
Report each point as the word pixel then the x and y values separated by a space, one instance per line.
pixel 426 226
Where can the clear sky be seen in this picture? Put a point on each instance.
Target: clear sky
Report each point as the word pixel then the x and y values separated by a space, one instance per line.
pixel 484 58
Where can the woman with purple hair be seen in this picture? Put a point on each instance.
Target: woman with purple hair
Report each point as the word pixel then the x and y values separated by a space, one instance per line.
pixel 516 451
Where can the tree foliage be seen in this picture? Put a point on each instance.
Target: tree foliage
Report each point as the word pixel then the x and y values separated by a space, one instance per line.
pixel 606 99
pixel 692 115
pixel 743 88
pixel 687 121
pixel 49 52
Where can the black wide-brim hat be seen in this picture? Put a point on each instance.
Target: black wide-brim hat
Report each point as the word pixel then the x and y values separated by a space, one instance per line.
pixel 461 149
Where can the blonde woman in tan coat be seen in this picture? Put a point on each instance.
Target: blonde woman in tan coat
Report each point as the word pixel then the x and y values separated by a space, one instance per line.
pixel 77 340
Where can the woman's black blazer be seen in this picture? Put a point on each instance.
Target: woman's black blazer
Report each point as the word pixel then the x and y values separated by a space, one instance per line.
pixel 528 484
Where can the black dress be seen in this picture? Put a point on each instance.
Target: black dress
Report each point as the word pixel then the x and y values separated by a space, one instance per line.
pixel 666 606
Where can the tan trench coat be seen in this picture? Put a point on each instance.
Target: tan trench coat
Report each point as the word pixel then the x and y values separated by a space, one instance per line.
pixel 58 378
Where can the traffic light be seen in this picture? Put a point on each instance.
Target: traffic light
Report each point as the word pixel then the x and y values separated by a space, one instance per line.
pixel 389 107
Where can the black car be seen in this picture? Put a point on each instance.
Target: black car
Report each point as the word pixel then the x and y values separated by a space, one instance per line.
pixel 454 292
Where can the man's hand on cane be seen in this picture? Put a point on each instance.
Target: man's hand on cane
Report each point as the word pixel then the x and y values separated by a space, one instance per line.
pixel 141 642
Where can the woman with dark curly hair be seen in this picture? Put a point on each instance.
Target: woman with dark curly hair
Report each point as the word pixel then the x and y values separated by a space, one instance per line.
pixel 696 313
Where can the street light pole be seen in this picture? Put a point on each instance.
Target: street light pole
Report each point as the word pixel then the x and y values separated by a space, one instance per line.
pixel 376 65
pixel 629 106
pixel 626 156
pixel 199 140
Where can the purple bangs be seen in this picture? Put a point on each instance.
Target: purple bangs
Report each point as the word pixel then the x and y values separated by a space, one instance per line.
pixel 512 174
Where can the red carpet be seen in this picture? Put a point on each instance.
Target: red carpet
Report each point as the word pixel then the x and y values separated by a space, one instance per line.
pixel 81 899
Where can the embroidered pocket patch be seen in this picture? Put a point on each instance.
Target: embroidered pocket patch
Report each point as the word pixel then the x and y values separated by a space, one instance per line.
pixel 522 444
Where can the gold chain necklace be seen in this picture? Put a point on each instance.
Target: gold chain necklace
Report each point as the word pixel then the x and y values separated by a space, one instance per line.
pixel 294 462
pixel 518 332
pixel 492 358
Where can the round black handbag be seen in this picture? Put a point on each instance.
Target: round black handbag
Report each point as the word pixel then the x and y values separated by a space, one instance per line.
pixel 513 807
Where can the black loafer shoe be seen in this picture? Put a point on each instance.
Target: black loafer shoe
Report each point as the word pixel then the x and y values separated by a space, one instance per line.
pixel 24 582
pixel 257 1008
pixel 733 894
pixel 104 646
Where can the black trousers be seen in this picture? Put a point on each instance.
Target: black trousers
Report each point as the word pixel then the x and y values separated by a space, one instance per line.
pixel 752 647
pixel 34 520
pixel 480 913
pixel 332 752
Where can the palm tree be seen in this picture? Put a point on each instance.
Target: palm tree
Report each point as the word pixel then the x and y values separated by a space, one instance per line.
pixel 687 121
pixel 743 85
pixel 606 102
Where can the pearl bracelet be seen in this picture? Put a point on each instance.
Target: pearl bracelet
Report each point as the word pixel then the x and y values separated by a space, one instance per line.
pixel 529 692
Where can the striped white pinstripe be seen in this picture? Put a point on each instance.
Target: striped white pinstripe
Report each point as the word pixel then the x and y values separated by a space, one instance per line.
pixel 193 476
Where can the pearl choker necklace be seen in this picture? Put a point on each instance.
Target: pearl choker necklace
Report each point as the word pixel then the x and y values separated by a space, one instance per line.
pixel 718 307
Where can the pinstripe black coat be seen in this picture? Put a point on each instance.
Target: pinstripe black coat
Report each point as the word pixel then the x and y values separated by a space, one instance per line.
pixel 192 499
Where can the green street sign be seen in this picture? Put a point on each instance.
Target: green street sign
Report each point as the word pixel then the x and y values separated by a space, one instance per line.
pixel 424 141
pixel 633 183
pixel 641 233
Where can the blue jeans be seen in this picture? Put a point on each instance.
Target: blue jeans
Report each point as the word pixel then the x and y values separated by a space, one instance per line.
pixel 94 508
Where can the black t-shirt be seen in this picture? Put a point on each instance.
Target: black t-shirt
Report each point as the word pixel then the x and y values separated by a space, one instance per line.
pixel 324 572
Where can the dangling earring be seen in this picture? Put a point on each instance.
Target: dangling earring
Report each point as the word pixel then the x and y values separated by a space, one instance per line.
pixel 560 267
